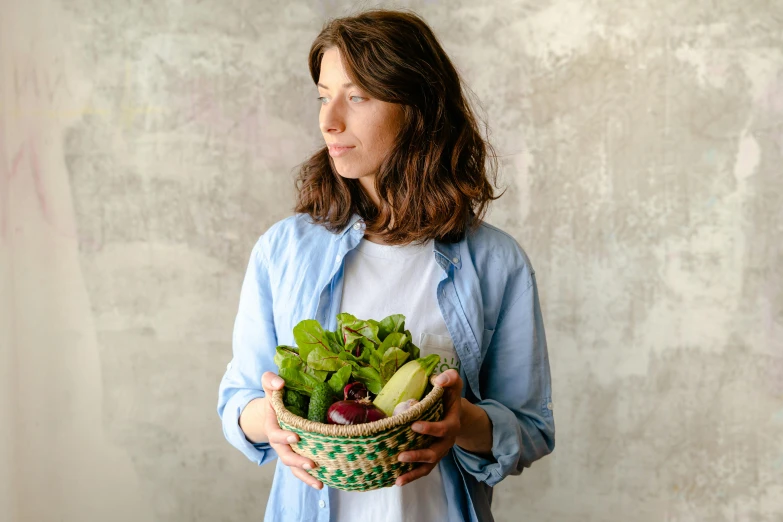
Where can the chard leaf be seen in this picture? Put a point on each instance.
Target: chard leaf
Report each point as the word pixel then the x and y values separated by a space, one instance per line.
pixel 350 347
pixel 375 359
pixel 298 381
pixel 340 378
pixel 392 360
pixel 290 362
pixel 377 324
pixel 411 348
pixel 286 353
pixel 334 341
pixel 352 328
pixel 347 356
pixel 321 375
pixel 343 319
pixel 308 335
pixel 391 324
pixel 323 359
pixel 368 348
pixel 367 376
pixel 393 340
pixel 287 357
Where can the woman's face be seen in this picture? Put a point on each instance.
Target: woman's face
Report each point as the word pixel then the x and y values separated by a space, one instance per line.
pixel 349 117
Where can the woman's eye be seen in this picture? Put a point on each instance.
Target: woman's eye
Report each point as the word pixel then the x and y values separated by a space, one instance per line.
pixel 323 98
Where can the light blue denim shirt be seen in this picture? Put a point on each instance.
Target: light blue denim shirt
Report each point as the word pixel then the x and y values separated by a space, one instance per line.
pixel 489 301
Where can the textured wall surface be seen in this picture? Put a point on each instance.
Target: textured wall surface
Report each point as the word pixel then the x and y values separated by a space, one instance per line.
pixel 145 146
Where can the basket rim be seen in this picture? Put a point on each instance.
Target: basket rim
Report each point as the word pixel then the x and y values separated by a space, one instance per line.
pixel 355 430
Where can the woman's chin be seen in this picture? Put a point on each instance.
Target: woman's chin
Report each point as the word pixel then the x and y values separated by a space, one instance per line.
pixel 347 174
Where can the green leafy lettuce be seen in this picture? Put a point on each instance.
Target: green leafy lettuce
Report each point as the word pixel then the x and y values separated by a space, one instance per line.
pixel 367 351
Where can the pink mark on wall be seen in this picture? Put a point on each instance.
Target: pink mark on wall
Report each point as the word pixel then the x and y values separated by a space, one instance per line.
pixel 21 164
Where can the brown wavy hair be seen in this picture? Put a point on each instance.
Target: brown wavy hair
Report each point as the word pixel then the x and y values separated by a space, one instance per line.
pixel 435 181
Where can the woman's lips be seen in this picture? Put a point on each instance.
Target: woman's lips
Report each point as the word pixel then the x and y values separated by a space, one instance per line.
pixel 336 151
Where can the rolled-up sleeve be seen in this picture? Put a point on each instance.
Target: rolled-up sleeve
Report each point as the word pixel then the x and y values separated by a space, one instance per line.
pixel 516 388
pixel 254 342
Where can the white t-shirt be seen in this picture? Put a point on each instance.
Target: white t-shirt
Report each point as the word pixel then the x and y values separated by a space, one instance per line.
pixel 381 280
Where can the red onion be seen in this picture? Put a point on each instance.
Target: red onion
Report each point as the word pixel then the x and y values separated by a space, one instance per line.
pixel 353 412
pixel 355 391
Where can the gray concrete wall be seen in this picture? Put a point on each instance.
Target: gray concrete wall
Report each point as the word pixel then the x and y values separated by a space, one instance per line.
pixel 145 146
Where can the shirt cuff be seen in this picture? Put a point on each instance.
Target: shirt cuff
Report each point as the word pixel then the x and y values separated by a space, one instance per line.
pixel 260 453
pixel 506 434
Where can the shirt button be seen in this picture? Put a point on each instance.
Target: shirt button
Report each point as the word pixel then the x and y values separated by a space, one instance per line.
pixel 357 226
pixel 455 260
pixel 322 503
pixel 549 406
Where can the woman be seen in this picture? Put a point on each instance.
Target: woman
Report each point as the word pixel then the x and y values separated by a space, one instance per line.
pixel 388 220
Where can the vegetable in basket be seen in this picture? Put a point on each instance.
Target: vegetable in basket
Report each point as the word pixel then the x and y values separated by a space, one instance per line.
pixel 296 402
pixel 320 401
pixel 360 360
pixel 354 412
pixel 355 409
pixel 409 382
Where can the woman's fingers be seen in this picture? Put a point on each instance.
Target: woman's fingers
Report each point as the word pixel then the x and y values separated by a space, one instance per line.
pixel 445 430
pixel 273 427
pixel 446 379
pixel 271 381
pixel 452 384
pixel 306 478
pixel 449 426
pixel 432 454
pixel 436 429
pixel 280 439
pixel 292 459
pixel 429 458
pixel 415 473
pixel 422 455
pixel 280 436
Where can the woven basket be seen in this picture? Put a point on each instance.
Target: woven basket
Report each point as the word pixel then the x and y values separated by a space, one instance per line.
pixel 360 457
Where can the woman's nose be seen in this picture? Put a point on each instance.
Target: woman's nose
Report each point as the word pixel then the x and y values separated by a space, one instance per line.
pixel 332 117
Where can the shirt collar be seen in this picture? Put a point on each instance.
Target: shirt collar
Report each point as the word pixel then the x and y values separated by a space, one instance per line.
pixel 355 219
pixel 449 251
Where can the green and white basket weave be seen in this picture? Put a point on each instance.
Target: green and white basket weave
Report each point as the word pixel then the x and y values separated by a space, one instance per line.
pixel 360 457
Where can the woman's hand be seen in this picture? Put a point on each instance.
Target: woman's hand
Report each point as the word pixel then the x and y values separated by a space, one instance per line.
pixel 281 440
pixel 446 430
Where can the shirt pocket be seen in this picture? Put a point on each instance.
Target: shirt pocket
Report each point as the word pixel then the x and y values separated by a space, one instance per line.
pixel 443 346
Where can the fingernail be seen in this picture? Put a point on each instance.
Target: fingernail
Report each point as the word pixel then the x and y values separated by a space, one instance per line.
pixel 277 382
pixel 398 482
pixel 307 466
pixel 403 458
pixel 440 380
pixel 416 426
pixel 315 486
pixel 291 439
